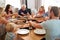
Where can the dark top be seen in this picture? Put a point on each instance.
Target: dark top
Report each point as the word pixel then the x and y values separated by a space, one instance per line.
pixel 25 12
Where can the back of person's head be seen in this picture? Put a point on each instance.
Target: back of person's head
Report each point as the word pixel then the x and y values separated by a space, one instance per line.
pixel 1 9
pixel 9 28
pixel 55 10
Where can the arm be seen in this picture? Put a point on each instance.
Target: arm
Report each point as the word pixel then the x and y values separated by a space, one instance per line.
pixel 36 25
pixel 4 21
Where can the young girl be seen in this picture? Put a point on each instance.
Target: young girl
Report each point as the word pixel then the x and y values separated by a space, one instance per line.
pixel 11 32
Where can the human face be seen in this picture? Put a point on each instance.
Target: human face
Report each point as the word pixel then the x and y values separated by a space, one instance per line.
pixel 23 8
pixel 40 9
pixel 10 9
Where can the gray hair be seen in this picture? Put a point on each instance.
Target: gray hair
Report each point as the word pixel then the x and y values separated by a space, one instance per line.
pixel 23 5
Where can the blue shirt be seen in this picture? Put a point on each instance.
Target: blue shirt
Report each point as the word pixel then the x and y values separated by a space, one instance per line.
pixel 10 36
pixel 46 14
pixel 53 29
pixel 24 11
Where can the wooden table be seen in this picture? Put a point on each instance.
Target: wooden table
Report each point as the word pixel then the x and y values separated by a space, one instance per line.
pixel 31 36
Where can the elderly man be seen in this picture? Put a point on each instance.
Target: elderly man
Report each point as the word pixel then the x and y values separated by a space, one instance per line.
pixel 52 25
pixel 23 11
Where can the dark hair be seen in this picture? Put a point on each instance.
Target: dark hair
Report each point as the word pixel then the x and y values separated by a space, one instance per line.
pixel 55 10
pixel 7 9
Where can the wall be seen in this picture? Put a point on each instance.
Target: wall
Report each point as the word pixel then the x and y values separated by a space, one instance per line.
pixel 2 3
pixel 14 3
pixel 48 3
pixel 31 4
pixel 34 4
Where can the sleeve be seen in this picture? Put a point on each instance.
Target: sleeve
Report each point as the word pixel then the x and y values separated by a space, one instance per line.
pixel 19 12
pixel 43 24
pixel 10 36
pixel 29 10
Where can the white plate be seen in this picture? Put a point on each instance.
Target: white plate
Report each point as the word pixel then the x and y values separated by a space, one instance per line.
pixel 40 31
pixel 22 31
pixel 12 20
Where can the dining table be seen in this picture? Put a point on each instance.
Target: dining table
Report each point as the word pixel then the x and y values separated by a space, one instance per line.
pixel 31 36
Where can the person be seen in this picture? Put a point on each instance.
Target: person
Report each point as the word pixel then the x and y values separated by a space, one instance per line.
pixel 1 9
pixel 8 11
pixel 52 26
pixel 3 23
pixel 59 12
pixel 46 15
pixel 41 11
pixel 11 32
pixel 23 11
pixel 9 29
pixel 48 12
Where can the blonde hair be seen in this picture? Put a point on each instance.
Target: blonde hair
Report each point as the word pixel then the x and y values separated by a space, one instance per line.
pixel 9 28
pixel 1 9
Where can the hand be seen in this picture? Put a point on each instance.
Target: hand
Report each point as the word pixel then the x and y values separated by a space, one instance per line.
pixel 23 14
pixel 28 14
pixel 46 18
pixel 26 25
pixel 36 25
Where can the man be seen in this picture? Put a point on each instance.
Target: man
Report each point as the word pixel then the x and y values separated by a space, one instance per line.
pixel 23 11
pixel 59 12
pixel 52 26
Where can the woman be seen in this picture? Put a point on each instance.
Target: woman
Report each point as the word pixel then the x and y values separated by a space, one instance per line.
pixel 8 10
pixel 41 11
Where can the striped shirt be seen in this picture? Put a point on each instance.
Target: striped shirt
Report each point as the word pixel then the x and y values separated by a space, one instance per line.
pixel 9 36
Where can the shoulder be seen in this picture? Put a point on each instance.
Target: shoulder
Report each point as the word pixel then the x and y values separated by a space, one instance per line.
pixel 46 22
pixel 51 21
pixel 9 36
pixel 4 13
